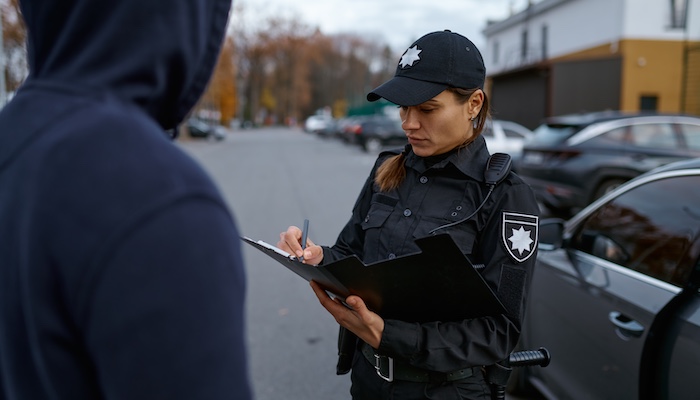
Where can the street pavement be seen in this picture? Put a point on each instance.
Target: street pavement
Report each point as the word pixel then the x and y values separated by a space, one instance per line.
pixel 273 178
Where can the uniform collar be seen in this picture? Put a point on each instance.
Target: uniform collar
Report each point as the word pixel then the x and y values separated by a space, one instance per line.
pixel 470 160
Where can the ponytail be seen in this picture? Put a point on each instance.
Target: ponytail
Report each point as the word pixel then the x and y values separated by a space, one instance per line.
pixel 392 172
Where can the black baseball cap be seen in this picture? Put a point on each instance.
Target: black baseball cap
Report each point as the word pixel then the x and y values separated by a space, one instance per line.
pixel 431 64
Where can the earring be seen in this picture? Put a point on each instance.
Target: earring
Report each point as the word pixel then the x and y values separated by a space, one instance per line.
pixel 474 122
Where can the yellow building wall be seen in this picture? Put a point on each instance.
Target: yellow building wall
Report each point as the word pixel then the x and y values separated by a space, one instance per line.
pixel 652 68
pixel 691 102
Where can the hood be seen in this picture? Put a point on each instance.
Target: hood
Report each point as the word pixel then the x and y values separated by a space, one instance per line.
pixel 158 54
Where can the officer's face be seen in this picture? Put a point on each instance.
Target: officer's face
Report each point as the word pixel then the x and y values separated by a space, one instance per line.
pixel 438 125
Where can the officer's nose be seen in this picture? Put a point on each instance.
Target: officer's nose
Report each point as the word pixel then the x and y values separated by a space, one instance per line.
pixel 409 122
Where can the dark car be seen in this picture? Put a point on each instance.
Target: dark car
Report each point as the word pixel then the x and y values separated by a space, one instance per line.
pixel 374 132
pixel 200 129
pixel 614 294
pixel 572 160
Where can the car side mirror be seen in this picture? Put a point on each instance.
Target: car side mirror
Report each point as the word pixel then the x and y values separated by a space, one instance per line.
pixel 551 234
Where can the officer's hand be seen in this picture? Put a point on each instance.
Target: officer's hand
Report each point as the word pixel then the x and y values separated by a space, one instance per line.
pixel 359 320
pixel 290 241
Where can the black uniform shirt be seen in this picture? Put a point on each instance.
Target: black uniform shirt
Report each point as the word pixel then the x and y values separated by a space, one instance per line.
pixel 502 236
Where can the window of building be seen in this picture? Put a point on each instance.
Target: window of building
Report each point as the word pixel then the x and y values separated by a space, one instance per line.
pixel 544 42
pixel 496 50
pixel 523 46
pixel 648 103
pixel 679 13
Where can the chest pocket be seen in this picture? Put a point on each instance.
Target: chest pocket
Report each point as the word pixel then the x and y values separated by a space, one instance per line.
pixel 379 210
pixel 463 234
pixel 375 236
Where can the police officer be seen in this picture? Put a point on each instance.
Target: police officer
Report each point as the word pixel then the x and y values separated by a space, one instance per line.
pixel 439 183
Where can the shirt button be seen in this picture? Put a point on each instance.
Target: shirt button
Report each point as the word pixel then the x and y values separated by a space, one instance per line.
pixel 459 208
pixel 423 179
pixel 392 256
pixel 407 213
pixel 454 214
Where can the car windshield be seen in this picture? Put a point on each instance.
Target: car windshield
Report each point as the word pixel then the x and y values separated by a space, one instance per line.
pixel 552 133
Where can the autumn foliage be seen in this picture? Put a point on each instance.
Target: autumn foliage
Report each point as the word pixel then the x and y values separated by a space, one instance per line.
pixel 279 72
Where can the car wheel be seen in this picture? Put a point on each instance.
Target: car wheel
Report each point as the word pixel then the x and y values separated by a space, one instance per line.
pixel 606 186
pixel 372 145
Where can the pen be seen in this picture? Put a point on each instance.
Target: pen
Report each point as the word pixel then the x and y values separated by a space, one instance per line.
pixel 304 237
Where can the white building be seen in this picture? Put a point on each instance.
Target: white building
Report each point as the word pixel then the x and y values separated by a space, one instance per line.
pixel 565 56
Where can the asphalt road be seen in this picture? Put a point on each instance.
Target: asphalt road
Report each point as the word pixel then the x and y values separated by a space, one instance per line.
pixel 273 178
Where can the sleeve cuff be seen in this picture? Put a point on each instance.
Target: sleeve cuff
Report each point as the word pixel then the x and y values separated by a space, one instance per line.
pixel 399 339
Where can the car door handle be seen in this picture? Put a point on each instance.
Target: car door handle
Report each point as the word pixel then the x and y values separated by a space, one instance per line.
pixel 625 324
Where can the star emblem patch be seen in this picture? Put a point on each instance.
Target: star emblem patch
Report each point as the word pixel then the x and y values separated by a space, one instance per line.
pixel 410 57
pixel 519 234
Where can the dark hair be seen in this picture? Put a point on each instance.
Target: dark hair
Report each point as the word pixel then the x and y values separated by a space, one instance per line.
pixel 392 172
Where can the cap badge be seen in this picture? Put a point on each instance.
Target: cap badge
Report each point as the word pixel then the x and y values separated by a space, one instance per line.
pixel 410 57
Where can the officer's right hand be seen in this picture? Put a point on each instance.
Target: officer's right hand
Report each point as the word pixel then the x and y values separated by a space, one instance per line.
pixel 290 241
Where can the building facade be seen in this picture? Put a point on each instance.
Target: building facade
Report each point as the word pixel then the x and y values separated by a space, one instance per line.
pixel 568 56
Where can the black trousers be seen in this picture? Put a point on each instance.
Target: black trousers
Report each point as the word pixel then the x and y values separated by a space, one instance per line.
pixel 367 385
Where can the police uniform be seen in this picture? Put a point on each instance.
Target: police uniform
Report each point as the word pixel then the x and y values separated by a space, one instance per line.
pixel 443 360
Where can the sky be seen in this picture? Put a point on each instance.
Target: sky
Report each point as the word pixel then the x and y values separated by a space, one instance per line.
pixel 395 22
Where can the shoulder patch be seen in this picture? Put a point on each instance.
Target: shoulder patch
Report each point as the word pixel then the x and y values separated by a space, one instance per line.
pixel 519 234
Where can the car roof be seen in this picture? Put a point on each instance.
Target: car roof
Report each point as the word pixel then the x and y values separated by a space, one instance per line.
pixel 692 163
pixel 585 119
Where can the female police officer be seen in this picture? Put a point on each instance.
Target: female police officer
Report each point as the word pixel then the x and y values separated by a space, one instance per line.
pixel 436 184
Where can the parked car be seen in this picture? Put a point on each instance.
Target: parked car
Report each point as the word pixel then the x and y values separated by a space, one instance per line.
pixel 200 129
pixel 614 294
pixel 374 132
pixel 572 160
pixel 505 137
pixel 322 125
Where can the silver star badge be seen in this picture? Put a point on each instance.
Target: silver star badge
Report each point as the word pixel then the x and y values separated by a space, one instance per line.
pixel 519 233
pixel 410 57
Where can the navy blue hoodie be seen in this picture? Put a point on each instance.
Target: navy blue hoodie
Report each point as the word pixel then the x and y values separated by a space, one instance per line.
pixel 121 273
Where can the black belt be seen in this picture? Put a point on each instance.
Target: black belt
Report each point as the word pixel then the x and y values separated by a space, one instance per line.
pixel 389 370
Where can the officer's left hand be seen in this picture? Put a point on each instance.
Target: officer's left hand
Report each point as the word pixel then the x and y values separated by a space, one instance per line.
pixel 368 326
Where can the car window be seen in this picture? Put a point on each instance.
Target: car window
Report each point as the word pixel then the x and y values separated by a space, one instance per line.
pixel 691 133
pixel 617 136
pixel 648 229
pixel 654 135
pixel 547 134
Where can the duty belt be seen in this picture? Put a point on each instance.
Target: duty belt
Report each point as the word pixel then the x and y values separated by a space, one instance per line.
pixel 389 370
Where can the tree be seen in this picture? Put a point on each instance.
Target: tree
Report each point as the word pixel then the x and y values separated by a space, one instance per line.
pixel 221 96
pixel 14 35
pixel 288 70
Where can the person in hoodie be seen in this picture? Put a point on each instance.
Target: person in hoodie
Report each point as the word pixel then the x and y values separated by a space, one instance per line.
pixel 121 273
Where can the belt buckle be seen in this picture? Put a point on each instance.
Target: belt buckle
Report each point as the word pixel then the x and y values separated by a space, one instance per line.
pixel 379 366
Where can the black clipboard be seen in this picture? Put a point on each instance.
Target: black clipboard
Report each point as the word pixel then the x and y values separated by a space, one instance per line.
pixel 437 284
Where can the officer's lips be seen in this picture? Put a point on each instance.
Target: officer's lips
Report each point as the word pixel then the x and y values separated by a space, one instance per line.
pixel 415 141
